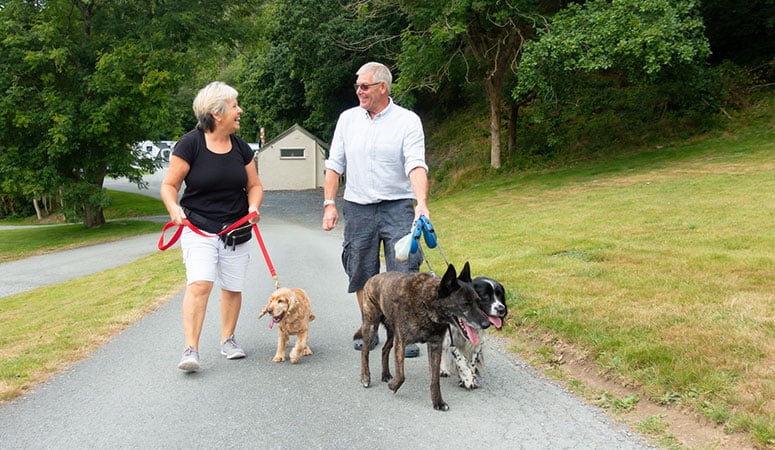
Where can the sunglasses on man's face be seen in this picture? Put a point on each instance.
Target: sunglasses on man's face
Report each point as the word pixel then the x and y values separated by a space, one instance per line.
pixel 365 86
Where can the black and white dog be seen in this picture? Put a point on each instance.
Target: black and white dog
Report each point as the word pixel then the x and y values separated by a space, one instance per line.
pixel 459 354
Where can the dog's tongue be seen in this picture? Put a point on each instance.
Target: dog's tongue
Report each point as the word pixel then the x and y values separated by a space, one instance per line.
pixel 496 321
pixel 473 336
pixel 271 323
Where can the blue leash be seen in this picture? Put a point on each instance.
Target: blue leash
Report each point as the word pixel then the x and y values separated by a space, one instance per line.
pixel 424 228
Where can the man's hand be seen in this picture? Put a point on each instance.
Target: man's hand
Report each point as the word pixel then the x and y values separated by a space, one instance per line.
pixel 330 217
pixel 421 210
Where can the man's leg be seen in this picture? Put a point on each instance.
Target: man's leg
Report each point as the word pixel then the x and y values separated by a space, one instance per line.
pixel 360 254
pixel 397 217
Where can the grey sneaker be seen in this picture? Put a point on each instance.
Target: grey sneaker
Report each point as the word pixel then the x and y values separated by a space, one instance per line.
pixel 230 349
pixel 190 360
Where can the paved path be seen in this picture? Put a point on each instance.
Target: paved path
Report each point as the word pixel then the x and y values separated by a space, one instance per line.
pixel 130 395
pixel 53 268
pixel 298 207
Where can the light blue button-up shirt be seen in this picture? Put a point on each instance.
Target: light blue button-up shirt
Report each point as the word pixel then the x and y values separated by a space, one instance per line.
pixel 378 153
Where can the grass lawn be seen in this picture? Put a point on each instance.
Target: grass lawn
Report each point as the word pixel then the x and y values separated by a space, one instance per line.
pixel 21 243
pixel 50 328
pixel 659 266
pixel 64 323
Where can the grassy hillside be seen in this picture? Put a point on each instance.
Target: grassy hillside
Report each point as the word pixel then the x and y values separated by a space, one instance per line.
pixel 657 263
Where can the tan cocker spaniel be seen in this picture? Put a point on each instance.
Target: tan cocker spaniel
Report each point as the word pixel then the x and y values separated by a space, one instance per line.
pixel 291 309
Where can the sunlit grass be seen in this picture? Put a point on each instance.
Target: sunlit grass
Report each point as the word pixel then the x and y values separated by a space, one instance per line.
pixel 21 243
pixel 47 329
pixel 124 204
pixel 664 271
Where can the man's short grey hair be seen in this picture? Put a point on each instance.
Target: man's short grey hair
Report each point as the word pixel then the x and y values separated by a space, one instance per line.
pixel 212 99
pixel 379 72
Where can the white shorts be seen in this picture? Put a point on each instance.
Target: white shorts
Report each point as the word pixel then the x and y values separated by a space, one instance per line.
pixel 206 259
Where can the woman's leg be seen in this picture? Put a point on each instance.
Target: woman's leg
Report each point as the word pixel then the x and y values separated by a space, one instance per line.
pixel 231 303
pixel 194 309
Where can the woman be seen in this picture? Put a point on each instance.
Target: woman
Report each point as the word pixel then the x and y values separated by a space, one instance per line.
pixel 222 186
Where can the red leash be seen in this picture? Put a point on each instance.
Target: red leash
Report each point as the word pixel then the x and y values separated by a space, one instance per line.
pixel 186 223
pixel 266 256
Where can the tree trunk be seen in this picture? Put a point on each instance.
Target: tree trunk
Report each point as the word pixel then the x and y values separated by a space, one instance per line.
pixel 493 93
pixel 495 135
pixel 93 216
pixel 512 137
pixel 37 208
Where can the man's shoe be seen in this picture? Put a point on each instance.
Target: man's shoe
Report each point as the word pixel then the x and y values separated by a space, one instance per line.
pixel 411 351
pixel 230 349
pixel 358 343
pixel 190 360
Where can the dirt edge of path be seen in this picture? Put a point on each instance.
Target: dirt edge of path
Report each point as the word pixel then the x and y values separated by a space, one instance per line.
pixel 571 367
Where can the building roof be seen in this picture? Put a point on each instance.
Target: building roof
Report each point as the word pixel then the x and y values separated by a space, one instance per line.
pixel 295 127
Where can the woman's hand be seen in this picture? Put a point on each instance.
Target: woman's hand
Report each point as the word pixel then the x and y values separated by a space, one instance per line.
pixel 254 209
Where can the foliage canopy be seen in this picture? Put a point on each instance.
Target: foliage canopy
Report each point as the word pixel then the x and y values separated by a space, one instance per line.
pixel 86 80
pixel 83 81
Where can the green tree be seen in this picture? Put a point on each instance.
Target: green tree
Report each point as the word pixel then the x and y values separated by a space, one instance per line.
pixel 640 39
pixel 24 174
pixel 86 79
pixel 306 72
pixel 483 39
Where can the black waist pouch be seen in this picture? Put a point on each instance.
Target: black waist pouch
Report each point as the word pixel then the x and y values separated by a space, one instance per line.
pixel 231 239
pixel 237 236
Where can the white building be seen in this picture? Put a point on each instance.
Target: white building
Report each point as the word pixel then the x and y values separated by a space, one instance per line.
pixel 294 160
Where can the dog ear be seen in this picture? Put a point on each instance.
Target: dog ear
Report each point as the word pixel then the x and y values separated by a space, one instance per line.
pixel 448 282
pixel 291 299
pixel 465 274
pixel 263 311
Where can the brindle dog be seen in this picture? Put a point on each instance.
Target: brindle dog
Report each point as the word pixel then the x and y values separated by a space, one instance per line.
pixel 418 307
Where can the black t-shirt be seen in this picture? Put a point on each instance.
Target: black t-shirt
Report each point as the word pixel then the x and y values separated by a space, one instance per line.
pixel 215 184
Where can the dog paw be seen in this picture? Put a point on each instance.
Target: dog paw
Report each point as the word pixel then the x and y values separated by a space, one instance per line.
pixel 469 383
pixel 441 406
pixel 386 377
pixel 443 373
pixel 366 381
pixel 278 358
pixel 395 384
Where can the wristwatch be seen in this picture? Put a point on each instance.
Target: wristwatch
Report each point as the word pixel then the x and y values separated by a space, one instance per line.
pixel 328 202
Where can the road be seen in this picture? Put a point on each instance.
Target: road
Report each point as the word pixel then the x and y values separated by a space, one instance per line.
pixel 129 394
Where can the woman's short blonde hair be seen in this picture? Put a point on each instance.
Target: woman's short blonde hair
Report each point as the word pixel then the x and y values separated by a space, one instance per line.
pixel 212 99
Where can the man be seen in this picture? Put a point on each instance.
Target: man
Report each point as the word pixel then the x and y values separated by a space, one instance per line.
pixel 382 147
